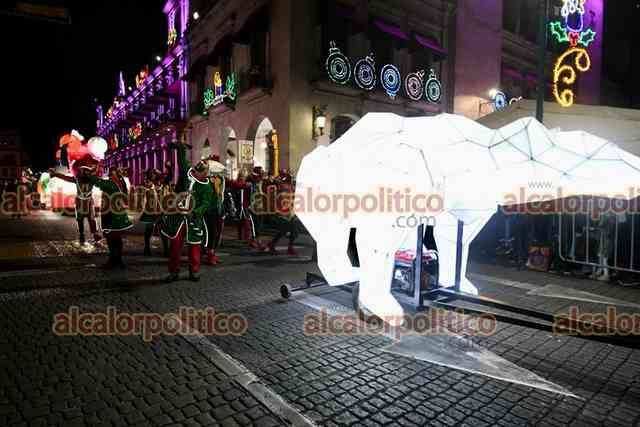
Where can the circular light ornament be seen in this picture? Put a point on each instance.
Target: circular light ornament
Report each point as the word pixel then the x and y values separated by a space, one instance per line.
pixel 391 80
pixel 338 65
pixel 433 88
pixel 414 85
pixel 500 101
pixel 365 73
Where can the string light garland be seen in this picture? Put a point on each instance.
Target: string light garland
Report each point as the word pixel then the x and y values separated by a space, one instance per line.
pixel 365 73
pixel 337 65
pixel 433 88
pixel 414 85
pixel 582 63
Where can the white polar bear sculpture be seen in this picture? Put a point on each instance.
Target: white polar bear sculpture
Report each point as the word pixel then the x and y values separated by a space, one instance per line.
pixel 466 168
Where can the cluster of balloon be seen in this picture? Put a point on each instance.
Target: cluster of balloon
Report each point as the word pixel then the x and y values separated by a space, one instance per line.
pixel 78 153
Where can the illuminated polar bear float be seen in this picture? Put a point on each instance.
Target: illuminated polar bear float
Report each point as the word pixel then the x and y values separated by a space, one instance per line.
pixel 464 169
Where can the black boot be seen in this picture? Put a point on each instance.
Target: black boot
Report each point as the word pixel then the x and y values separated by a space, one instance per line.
pixel 111 261
pixel 119 245
pixel 147 240
pixel 165 245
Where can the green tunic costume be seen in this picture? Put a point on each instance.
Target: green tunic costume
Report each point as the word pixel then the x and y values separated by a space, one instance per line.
pixel 112 219
pixel 201 196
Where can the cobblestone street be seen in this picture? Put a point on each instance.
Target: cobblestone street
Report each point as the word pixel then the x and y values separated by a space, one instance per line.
pixel 275 373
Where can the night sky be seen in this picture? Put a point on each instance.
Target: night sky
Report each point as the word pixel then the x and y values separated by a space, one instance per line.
pixel 51 73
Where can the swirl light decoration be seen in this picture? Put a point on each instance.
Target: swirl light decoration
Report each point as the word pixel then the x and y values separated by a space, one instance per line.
pixel 391 80
pixel 414 85
pixel 433 88
pixel 365 73
pixel 567 74
pixel 337 65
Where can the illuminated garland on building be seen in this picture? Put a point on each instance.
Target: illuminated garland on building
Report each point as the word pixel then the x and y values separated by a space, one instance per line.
pixel 571 31
pixel 207 99
pixel 173 33
pixel 365 73
pixel 390 80
pixel 173 37
pixel 142 75
pixel 135 131
pixel 339 70
pixel 433 88
pixel 231 92
pixel 227 93
pixel 337 65
pixel 582 63
pixel 414 85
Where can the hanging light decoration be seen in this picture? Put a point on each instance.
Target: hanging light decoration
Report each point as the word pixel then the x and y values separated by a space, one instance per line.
pixel 433 88
pixel 414 85
pixel 337 65
pixel 390 80
pixel 365 73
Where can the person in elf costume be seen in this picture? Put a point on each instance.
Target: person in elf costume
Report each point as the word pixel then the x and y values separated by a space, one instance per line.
pixel 215 214
pixel 247 225
pixel 285 220
pixel 114 218
pixel 82 170
pixel 196 194
pixel 258 183
pixel 150 216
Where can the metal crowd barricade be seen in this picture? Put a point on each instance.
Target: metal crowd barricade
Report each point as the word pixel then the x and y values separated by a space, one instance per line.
pixel 581 236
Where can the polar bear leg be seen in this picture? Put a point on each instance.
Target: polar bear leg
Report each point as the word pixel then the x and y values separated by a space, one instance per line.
pixel 333 260
pixel 446 233
pixel 376 250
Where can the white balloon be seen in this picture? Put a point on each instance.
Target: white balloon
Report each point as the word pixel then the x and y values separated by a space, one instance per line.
pixel 97 147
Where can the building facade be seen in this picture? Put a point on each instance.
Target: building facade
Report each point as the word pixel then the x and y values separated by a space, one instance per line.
pixel 13 159
pixel 287 102
pixel 144 119
pixel 263 82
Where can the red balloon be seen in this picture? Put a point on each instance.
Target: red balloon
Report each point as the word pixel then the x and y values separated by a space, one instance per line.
pixel 68 139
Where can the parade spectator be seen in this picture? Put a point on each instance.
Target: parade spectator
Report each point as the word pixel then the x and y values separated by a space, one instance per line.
pixel 84 205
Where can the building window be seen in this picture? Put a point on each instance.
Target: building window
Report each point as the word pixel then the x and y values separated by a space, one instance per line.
pixel 339 125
